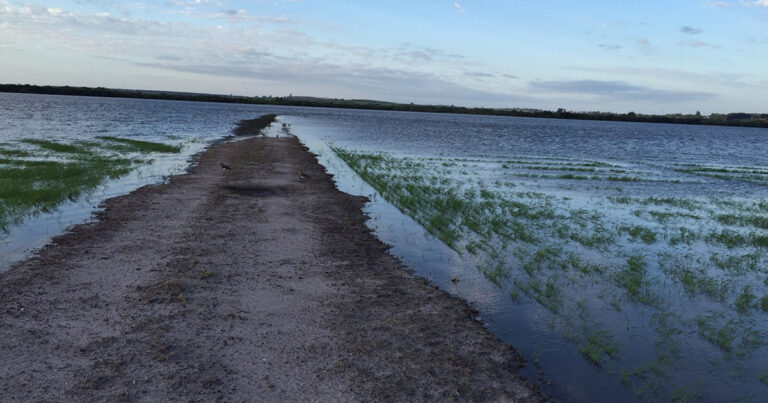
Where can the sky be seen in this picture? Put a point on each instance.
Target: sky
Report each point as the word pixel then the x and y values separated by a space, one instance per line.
pixel 670 56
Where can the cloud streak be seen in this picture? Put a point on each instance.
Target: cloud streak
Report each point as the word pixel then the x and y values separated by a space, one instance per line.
pixel 617 90
pixel 690 30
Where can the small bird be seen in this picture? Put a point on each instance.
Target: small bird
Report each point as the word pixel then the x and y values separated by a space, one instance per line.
pixel 225 167
pixel 302 175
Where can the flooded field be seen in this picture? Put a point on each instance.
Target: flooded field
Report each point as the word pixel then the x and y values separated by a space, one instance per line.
pixel 61 156
pixel 625 261
pixel 651 269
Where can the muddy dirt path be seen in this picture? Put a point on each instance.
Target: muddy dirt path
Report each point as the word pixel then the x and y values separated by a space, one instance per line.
pixel 256 283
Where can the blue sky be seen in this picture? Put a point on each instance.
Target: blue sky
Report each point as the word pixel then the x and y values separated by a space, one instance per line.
pixel 650 57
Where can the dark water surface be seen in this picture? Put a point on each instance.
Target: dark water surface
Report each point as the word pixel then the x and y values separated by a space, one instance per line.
pixel 691 162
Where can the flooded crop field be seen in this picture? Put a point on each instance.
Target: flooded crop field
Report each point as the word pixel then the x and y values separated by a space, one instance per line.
pixel 642 247
pixel 624 261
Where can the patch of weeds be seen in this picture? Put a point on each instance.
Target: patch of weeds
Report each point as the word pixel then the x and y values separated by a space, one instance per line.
pixel 721 336
pixel 684 235
pixel 759 241
pixel 614 178
pixel 181 298
pixel 40 186
pixel 664 216
pixel 692 277
pixel 585 268
pixel 57 147
pixel 621 199
pixel 9 152
pixel 598 345
pixel 600 238
pixel 764 303
pixel 751 338
pixel 542 259
pixel 645 234
pixel 205 274
pixel 686 393
pixel 547 294
pixel 764 376
pixel 572 177
pixel 473 247
pixel 632 278
pixel 496 272
pixel 672 201
pixel 746 299
pixel 550 295
pixel 132 145
pixel 28 187
pixel 729 238
pixel 739 263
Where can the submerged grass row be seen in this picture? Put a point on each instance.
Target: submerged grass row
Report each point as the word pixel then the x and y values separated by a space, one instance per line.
pixel 676 265
pixel 44 173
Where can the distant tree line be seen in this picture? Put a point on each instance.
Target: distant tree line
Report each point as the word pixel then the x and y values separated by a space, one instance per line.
pixel 718 119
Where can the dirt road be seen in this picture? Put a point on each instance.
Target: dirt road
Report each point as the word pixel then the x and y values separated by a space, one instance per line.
pixel 257 283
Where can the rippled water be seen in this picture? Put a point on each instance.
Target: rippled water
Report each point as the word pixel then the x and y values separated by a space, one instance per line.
pixel 704 164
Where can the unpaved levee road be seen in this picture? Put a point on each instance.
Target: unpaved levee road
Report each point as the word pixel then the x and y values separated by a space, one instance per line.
pixel 256 283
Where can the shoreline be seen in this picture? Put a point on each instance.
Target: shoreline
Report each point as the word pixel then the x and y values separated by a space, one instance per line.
pixel 260 281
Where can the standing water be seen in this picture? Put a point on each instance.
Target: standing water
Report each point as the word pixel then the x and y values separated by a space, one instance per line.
pixel 624 261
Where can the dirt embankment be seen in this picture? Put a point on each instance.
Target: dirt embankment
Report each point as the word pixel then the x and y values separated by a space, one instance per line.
pixel 257 283
pixel 254 126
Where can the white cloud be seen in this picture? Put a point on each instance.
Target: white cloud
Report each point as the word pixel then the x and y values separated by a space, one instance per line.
pixel 282 57
pixel 717 4
pixel 756 3
pixel 458 6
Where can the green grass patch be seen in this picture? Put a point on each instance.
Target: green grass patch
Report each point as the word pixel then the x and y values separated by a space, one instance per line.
pixel 738 263
pixel 141 146
pixel 60 147
pixel 40 187
pixel 723 336
pixel 9 152
pixel 632 278
pixel 728 238
pixel 683 236
pixel 764 303
pixel 694 279
pixel 597 346
pixel 28 186
pixel 645 234
pixel 746 300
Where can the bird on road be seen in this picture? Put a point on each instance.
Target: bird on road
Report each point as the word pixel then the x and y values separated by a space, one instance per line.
pixel 302 175
pixel 225 167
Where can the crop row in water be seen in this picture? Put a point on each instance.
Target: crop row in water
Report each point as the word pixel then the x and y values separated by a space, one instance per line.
pixel 729 173
pixel 38 175
pixel 632 254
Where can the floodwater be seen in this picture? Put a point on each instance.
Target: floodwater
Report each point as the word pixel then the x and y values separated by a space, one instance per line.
pixel 678 338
